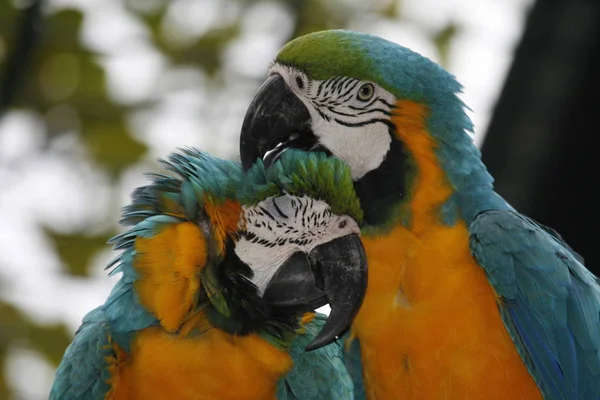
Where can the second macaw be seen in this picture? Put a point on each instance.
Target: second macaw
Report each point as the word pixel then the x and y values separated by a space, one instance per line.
pixel 467 298
pixel 220 273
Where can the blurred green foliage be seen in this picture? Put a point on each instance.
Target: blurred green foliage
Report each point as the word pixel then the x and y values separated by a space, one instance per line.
pixel 62 80
pixel 69 248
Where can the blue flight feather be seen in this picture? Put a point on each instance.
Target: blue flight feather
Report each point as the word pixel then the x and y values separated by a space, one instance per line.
pixel 83 373
pixel 550 303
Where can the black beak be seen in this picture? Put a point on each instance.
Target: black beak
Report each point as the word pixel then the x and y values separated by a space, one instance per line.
pixel 276 120
pixel 334 273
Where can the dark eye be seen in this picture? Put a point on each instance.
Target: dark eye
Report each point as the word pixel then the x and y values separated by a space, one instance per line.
pixel 365 92
pixel 343 224
pixel 299 82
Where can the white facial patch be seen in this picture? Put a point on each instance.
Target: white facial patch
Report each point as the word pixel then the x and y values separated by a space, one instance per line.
pixel 354 127
pixel 362 149
pixel 280 226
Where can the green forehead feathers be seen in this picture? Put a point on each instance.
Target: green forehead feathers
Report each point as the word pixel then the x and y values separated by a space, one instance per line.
pixel 325 54
pixel 399 70
pixel 304 174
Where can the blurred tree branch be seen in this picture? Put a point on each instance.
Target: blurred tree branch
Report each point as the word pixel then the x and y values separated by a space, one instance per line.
pixel 27 33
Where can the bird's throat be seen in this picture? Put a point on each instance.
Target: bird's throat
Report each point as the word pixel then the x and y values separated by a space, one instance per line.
pixel 410 186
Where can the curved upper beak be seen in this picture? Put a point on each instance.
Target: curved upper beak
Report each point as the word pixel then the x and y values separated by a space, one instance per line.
pixel 334 272
pixel 276 119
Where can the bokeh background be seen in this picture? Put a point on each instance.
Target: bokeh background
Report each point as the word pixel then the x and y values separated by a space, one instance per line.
pixel 93 92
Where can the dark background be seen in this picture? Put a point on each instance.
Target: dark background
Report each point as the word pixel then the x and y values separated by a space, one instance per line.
pixel 540 142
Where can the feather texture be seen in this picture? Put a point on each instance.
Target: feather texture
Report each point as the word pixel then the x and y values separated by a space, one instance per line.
pixel 181 278
pixel 319 374
pixel 432 180
pixel 314 175
pixel 84 372
pixel 548 301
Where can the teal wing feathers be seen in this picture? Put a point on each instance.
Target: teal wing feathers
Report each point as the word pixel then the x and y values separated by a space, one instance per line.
pixel 550 302
pixel 319 374
pixel 82 373
pixel 353 362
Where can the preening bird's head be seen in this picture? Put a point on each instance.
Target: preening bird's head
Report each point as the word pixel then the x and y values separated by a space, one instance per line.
pixel 300 237
pixel 278 227
pixel 367 101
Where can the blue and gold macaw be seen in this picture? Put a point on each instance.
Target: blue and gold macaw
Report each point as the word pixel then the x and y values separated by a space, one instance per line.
pixel 220 273
pixel 467 298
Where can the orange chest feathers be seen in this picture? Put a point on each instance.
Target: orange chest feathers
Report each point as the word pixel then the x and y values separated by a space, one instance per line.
pixel 167 361
pixel 429 327
pixel 214 365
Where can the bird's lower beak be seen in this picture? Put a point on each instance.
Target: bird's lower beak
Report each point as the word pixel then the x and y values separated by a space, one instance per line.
pixel 276 120
pixel 335 273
